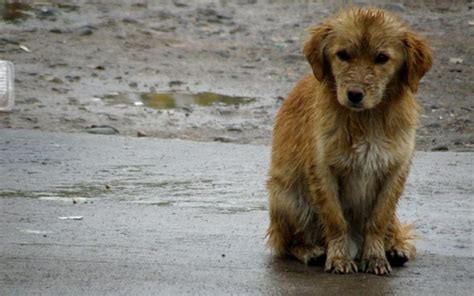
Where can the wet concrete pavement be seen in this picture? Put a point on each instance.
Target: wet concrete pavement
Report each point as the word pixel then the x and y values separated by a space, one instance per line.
pixel 175 217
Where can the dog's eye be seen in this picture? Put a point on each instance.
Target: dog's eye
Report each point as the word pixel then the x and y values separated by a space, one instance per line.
pixel 343 55
pixel 381 58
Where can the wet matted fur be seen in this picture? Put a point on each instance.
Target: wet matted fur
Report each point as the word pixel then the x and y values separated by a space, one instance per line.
pixel 343 142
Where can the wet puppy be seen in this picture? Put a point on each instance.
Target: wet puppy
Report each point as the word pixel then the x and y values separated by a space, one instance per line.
pixel 343 143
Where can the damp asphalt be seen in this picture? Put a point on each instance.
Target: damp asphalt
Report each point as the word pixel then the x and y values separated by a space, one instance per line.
pixel 88 214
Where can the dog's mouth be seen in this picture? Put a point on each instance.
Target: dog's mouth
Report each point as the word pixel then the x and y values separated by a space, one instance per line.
pixel 355 106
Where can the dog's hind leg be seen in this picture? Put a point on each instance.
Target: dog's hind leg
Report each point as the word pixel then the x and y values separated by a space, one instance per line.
pixel 292 229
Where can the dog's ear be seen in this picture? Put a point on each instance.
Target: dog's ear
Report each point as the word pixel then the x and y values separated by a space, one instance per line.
pixel 419 59
pixel 314 51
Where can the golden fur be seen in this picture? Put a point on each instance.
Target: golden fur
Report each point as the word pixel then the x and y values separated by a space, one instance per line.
pixel 338 169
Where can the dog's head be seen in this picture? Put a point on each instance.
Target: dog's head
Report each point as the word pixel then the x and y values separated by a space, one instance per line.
pixel 368 55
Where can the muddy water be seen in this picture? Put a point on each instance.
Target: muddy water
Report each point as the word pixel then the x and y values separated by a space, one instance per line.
pixel 170 100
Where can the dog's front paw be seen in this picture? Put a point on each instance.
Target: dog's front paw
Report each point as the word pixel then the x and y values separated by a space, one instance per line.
pixel 378 266
pixel 340 265
pixel 399 254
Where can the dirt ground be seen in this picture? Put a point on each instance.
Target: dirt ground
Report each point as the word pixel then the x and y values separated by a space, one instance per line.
pixel 91 66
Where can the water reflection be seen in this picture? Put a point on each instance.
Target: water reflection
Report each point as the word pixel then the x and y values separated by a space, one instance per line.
pixel 289 277
pixel 169 100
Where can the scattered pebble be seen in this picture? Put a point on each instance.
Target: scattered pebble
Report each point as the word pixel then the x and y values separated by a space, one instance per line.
pixel 234 129
pixel 56 31
pixel 71 218
pixel 175 83
pixel 440 148
pixel 141 134
pixel 179 3
pixel 225 139
pixel 433 125
pixel 24 47
pixel 86 30
pixel 102 130
pixel 51 78
pixel 456 60
pixel 129 20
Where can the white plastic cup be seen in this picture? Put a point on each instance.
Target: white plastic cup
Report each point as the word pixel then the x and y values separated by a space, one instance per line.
pixel 7 89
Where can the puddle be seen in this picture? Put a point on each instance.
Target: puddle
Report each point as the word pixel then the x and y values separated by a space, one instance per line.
pixel 168 100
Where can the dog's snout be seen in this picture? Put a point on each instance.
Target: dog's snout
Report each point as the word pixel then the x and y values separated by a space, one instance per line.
pixel 355 94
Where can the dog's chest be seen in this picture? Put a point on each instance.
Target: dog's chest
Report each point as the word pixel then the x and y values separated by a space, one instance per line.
pixel 362 170
pixel 371 155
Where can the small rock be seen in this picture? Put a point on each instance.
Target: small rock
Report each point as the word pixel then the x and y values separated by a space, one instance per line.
pixel 71 218
pixel 72 78
pixel 32 100
pixel 175 83
pixel 52 78
pixel 212 16
pixel 140 4
pixel 433 125
pixel 86 30
pixel 141 134
pixel 24 48
pixel 102 130
pixel 440 148
pixel 56 31
pixel 179 3
pixel 129 20
pixel 224 139
pixel 133 84
pixel 456 61
pixel 47 12
pixel 234 129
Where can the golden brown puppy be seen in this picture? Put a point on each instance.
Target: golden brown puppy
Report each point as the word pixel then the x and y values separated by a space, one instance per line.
pixel 343 143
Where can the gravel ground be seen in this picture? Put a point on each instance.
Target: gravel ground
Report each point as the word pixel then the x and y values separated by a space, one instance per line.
pixel 87 66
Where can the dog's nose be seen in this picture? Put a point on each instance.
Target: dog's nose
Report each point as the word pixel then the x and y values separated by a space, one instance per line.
pixel 355 95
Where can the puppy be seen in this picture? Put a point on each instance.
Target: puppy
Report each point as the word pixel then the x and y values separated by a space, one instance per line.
pixel 343 143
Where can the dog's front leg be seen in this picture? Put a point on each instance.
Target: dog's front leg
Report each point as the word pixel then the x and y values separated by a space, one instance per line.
pixel 374 259
pixel 324 198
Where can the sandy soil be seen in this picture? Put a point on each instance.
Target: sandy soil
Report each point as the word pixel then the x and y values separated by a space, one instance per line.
pixel 82 64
